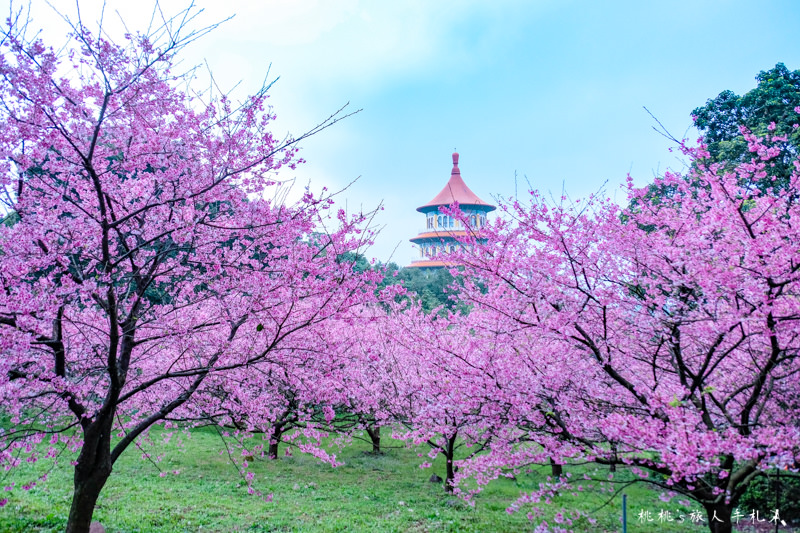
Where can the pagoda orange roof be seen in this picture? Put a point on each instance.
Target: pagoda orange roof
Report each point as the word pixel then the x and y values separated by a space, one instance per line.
pixel 443 234
pixel 456 191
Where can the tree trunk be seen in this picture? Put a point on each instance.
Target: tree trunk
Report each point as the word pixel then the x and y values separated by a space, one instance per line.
pixel 449 478
pixel 449 453
pixel 374 433
pixel 719 517
pixel 555 469
pixel 613 466
pixel 84 498
pixel 91 473
pixel 275 440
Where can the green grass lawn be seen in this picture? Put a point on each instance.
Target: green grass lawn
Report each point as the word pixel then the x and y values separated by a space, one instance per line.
pixel 382 493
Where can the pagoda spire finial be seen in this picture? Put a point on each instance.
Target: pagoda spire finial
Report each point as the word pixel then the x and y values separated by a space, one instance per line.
pixel 455 164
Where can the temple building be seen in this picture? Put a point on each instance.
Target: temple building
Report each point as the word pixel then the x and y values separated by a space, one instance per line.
pixel 442 231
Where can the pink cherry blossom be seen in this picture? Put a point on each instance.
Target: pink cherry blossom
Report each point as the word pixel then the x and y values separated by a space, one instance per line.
pixel 150 274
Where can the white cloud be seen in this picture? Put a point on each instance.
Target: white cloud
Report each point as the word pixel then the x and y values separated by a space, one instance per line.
pixel 349 40
pixel 328 52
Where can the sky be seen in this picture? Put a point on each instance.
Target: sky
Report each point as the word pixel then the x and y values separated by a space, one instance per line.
pixel 540 94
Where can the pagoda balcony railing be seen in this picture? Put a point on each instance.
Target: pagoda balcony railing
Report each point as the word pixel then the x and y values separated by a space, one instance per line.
pixel 443 231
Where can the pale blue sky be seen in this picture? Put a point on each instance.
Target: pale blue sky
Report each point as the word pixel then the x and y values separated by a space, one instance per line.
pixel 551 91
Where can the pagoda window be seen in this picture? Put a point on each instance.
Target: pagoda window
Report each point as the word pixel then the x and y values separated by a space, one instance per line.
pixel 439 221
pixel 472 220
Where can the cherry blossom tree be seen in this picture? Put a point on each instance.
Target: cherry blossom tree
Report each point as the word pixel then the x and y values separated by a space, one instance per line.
pixel 286 396
pixel 419 373
pixel 146 266
pixel 363 384
pixel 664 336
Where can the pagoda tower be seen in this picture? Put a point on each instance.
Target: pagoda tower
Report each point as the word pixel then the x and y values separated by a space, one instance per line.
pixel 442 231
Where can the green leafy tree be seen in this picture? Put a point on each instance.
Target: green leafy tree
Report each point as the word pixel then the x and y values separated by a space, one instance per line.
pixel 432 287
pixel 769 109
